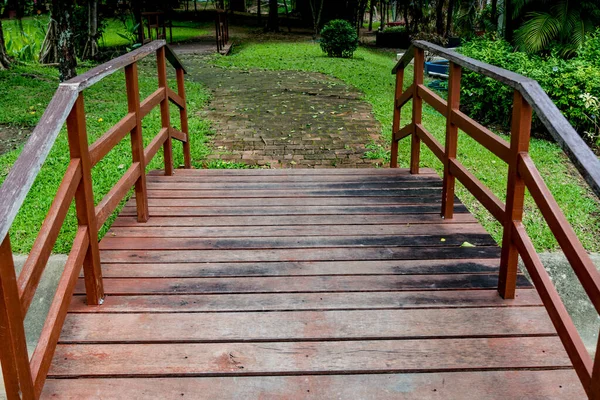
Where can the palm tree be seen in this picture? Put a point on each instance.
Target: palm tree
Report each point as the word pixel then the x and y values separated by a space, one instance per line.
pixel 564 22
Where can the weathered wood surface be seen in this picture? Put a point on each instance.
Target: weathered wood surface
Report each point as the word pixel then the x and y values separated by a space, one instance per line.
pixel 252 301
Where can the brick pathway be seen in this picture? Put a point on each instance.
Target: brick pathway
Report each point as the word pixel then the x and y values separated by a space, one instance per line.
pixel 284 119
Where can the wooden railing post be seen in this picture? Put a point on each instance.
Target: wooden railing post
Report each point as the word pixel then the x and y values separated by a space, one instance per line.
pixel 137 141
pixel 415 149
pixel 451 140
pixel 14 358
pixel 187 157
pixel 84 202
pixel 515 195
pixel 164 109
pixel 594 390
pixel 396 122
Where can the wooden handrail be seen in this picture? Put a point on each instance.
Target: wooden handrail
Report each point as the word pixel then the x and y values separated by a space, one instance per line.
pixel 25 378
pixel 553 120
pixel 522 173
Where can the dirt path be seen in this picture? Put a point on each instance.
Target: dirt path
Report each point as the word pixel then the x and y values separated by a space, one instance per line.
pixel 285 119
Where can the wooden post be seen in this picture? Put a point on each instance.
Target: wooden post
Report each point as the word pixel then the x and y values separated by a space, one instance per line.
pixel 137 141
pixel 396 123
pixel 594 390
pixel 451 140
pixel 187 157
pixel 515 195
pixel 84 202
pixel 164 109
pixel 415 150
pixel 13 345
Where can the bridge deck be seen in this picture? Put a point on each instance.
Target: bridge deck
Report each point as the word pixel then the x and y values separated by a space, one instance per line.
pixel 305 284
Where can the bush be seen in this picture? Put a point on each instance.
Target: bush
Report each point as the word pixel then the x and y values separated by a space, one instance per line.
pixel 393 36
pixel 339 39
pixel 565 81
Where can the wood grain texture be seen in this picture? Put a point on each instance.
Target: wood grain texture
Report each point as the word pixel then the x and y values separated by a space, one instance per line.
pixel 482 385
pixel 270 358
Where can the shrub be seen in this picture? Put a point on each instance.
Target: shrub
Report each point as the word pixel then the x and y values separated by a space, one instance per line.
pixel 339 39
pixel 565 81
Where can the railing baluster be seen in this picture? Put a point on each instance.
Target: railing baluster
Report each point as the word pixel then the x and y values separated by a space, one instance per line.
pixel 137 142
pixel 451 140
pixel 415 150
pixel 515 195
pixel 164 109
pixel 396 123
pixel 84 202
pixel 187 158
pixel 594 391
pixel 14 358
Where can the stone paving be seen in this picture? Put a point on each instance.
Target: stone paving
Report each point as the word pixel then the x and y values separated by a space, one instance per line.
pixel 285 119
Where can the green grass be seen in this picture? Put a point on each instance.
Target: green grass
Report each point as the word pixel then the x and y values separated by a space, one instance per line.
pixel 29 91
pixel 370 72
pixel 182 30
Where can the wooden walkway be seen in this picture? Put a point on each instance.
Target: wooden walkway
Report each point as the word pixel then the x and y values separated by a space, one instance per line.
pixel 305 284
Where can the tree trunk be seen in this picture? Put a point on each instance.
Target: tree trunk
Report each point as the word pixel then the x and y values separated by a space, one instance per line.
pixel 4 60
pixel 449 17
pixel 439 17
pixel 91 46
pixel 316 9
pixel 62 12
pixel 508 21
pixel 495 12
pixel 259 13
pixel 273 21
pixel 371 17
pixel 237 5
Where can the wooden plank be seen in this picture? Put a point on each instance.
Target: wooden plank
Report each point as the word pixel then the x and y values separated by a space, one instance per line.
pixel 431 142
pixel 293 268
pixel 405 97
pixel 404 132
pixel 14 357
pixel 306 301
pixel 111 138
pixel 156 143
pixel 485 196
pixel 283 186
pixel 175 98
pixel 412 241
pixel 112 199
pixel 303 284
pixel 176 134
pixel 295 230
pixel 488 139
pixel 270 178
pixel 151 101
pixel 289 210
pixel 572 342
pixel 297 220
pixel 44 351
pixel 563 232
pixel 306 325
pixel 482 385
pixel 289 201
pixel 298 171
pixel 174 59
pixel 32 270
pixel 431 98
pixel 308 357
pixel 232 193
pixel 406 59
pixel 329 254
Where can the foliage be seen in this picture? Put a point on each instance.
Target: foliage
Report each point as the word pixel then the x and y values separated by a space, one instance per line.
pixel 26 92
pixel 339 39
pixel 131 33
pixel 394 29
pixel 592 106
pixel 369 71
pixel 23 43
pixel 560 24
pixel 564 80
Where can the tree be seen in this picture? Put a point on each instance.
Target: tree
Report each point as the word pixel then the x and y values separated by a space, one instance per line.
pixel 273 20
pixel 316 9
pixel 439 17
pixel 4 59
pixel 91 46
pixel 62 11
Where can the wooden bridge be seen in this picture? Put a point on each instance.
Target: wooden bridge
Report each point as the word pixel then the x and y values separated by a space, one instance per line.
pixel 294 283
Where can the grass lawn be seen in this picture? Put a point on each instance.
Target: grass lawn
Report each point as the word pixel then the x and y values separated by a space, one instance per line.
pixel 370 72
pixel 34 30
pixel 29 91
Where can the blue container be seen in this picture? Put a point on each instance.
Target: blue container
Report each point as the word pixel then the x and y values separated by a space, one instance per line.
pixel 437 68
